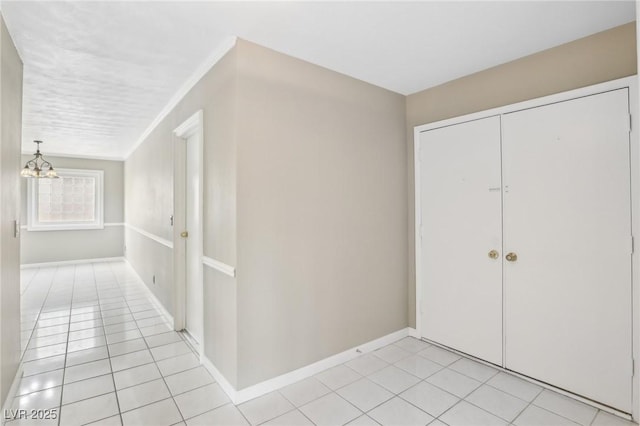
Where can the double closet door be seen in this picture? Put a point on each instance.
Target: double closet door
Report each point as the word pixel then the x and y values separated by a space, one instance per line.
pixel 526 245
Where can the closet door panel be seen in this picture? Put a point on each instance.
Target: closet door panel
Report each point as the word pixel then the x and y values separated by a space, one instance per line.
pixel 461 223
pixel 567 217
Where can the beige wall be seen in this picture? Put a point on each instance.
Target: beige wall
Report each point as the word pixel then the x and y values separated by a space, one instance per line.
pixel 10 140
pixel 600 57
pixel 45 246
pixel 151 259
pixel 148 174
pixel 306 195
pixel 322 221
pixel 311 166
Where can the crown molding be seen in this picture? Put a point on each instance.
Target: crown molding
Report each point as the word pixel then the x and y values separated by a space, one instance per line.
pixel 213 59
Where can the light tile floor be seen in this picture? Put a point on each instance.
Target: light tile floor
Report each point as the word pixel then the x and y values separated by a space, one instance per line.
pixel 97 350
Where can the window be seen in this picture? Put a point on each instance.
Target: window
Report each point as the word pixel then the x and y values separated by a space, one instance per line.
pixel 74 201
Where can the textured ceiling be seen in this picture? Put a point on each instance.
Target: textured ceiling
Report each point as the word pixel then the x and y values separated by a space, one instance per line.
pixel 98 73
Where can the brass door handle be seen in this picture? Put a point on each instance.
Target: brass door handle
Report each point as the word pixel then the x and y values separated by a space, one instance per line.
pixel 511 257
pixel 184 234
pixel 493 254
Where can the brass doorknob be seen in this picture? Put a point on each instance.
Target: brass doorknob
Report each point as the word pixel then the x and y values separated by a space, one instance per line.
pixel 511 257
pixel 493 254
pixel 184 234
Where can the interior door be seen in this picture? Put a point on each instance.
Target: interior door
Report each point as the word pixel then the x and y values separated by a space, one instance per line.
pixel 567 218
pixel 194 290
pixel 460 197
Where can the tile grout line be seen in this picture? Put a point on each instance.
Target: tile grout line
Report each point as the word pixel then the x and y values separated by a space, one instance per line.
pixel 156 365
pixel 509 393
pixel 486 382
pixel 529 404
pixel 110 287
pixel 64 371
pixel 398 395
pixel 295 407
pixel 460 399
pixel 394 395
pixel 113 380
pixel 86 362
pixel 35 325
pixel 31 336
pixel 558 414
pixel 404 390
pixel 23 291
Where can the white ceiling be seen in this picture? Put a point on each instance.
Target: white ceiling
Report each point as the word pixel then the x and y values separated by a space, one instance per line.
pixel 97 74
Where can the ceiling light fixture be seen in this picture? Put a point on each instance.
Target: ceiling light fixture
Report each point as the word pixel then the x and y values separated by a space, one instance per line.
pixel 38 167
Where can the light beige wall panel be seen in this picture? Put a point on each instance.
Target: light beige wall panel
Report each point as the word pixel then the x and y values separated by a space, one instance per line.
pixel 322 247
pixel 220 322
pixel 148 192
pixel 56 246
pixel 149 258
pixel 600 57
pixel 149 183
pixel 10 140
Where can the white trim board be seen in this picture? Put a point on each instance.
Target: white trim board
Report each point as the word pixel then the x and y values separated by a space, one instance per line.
pixel 106 225
pixel 191 126
pixel 240 396
pixel 81 156
pixel 532 103
pixel 189 139
pixel 71 262
pixel 216 55
pixel 413 333
pixel 149 235
pixel 219 266
pixel 219 378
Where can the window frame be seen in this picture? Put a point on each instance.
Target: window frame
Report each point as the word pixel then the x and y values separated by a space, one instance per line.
pixel 33 222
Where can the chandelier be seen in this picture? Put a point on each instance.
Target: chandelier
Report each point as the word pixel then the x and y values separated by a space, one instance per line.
pixel 38 167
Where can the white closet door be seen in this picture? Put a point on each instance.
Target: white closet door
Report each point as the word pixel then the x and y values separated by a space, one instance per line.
pixel 567 217
pixel 461 223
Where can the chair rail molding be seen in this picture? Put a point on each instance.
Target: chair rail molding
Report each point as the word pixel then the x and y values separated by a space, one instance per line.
pixel 219 266
pixel 149 235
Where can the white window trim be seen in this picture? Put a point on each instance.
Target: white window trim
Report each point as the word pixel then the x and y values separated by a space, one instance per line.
pixel 32 204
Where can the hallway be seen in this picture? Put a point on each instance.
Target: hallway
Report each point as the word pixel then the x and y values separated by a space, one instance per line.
pixel 97 346
pixel 99 352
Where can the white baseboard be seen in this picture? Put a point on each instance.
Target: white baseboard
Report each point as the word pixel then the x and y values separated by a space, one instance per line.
pixel 414 333
pixel 8 402
pixel 154 300
pixel 240 396
pixel 160 307
pixel 70 262
pixel 219 378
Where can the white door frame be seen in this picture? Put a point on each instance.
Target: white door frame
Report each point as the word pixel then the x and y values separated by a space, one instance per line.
pixel 634 146
pixel 190 127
